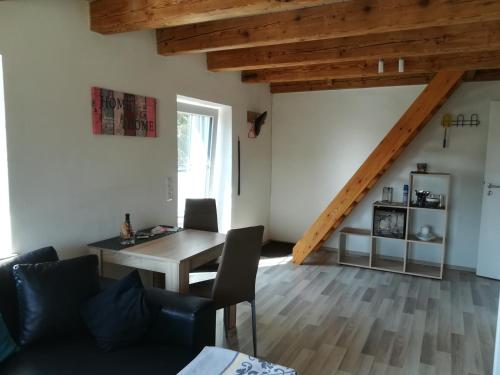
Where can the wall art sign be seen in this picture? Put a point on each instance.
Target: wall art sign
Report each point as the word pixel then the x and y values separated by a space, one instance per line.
pixel 118 113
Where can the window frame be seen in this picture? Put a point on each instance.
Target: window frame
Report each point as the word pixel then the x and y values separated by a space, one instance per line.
pixel 213 113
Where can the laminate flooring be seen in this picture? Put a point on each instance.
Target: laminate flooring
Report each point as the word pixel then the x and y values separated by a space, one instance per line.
pixel 322 318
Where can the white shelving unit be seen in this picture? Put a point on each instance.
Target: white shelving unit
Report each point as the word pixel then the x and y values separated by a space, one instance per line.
pixel 409 262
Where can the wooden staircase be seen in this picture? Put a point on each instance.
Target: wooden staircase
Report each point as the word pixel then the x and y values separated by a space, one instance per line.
pixel 396 140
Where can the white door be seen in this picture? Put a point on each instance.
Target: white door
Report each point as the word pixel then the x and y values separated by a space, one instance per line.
pixel 488 259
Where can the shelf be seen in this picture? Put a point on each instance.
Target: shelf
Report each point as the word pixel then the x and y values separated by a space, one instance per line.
pixel 356 231
pixel 427 208
pixel 390 205
pixel 385 264
pixel 389 238
pixel 430 174
pixel 356 260
pixel 424 270
pixel 435 241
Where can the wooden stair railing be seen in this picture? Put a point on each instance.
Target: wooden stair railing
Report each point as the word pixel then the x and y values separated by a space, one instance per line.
pixel 396 140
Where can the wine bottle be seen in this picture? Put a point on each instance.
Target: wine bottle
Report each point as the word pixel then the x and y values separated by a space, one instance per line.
pixel 126 232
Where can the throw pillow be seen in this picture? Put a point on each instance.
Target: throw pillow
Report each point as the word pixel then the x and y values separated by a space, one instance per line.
pixel 50 296
pixel 7 344
pixel 8 293
pixel 119 315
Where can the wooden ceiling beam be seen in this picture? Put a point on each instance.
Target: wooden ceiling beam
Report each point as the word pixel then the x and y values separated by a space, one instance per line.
pixel 435 40
pixel 359 69
pixel 360 83
pixel 487 75
pixel 356 17
pixel 115 16
pixel 331 84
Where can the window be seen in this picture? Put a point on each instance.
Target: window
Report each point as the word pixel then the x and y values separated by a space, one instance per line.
pixel 6 245
pixel 196 143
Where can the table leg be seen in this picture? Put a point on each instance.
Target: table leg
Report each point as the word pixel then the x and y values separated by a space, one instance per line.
pixel 230 316
pixel 159 280
pixel 177 277
pixel 100 267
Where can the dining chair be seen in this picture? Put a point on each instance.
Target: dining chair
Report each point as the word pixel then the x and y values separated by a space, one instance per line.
pixel 235 280
pixel 201 214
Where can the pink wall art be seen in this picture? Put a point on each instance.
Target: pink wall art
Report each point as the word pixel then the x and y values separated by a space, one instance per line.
pixel 118 113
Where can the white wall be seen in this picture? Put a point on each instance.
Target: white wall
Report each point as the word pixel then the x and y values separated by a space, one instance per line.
pixel 321 138
pixel 70 187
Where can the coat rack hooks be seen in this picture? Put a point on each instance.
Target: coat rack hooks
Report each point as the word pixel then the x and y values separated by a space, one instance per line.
pixel 458 122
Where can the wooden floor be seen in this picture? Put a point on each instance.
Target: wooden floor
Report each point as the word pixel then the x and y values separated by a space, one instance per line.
pixel 321 318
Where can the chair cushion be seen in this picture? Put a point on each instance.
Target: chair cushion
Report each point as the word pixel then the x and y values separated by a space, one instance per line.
pixel 51 294
pixel 83 357
pixel 119 315
pixel 7 344
pixel 8 293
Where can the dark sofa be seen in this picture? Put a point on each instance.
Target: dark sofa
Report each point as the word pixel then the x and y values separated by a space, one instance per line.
pixel 181 328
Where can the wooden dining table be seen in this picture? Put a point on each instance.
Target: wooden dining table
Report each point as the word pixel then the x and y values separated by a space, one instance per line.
pixel 173 255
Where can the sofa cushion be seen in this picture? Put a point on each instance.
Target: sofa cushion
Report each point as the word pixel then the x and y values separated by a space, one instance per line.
pixel 82 357
pixel 7 344
pixel 119 315
pixel 51 294
pixel 8 295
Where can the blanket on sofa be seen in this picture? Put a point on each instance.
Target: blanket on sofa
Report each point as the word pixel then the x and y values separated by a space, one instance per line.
pixel 219 361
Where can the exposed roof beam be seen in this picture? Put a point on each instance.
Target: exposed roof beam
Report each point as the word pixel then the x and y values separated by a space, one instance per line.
pixel 114 16
pixel 356 17
pixel 487 75
pixel 358 69
pixel 360 83
pixel 330 84
pixel 435 40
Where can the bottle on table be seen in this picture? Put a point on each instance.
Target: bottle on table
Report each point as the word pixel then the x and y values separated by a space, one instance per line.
pixel 126 232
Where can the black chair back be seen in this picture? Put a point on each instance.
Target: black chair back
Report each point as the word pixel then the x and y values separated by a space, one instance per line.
pixel 235 280
pixel 201 214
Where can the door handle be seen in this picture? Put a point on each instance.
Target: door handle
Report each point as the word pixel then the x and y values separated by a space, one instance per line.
pixel 493 186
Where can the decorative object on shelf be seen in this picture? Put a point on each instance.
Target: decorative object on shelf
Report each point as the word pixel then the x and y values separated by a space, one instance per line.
pixel 118 113
pixel 421 197
pixel 432 201
pixel 255 122
pixel 405 194
pixel 421 167
pixel 447 122
pixel 126 232
pixel 425 233
pixel 389 222
pixel 387 194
